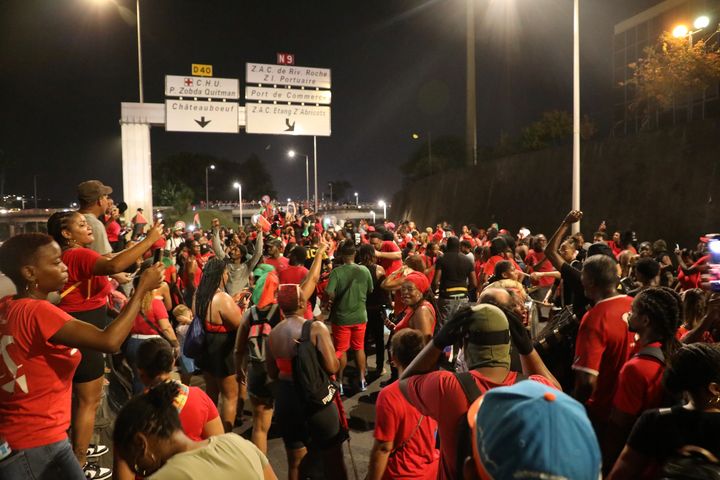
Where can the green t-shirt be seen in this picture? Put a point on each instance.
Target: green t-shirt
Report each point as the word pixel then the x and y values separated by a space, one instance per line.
pixel 351 285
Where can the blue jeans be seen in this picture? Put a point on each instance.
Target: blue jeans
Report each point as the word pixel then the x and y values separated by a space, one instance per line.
pixel 448 307
pixel 55 461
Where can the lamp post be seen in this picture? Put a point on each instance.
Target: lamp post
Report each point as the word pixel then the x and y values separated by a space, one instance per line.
pixel 576 114
pixel 699 24
pixel 357 201
pixel 239 187
pixel 139 45
pixel 382 204
pixel 292 154
pixel 331 199
pixel 470 87
pixel 207 188
pixel 416 136
pixel 372 212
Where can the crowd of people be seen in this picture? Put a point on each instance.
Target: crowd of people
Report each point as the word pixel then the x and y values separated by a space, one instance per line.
pixel 510 355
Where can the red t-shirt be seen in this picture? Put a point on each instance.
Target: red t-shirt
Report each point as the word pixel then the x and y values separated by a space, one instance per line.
pixel 91 291
pixel 196 411
pixel 389 265
pixel 35 375
pixel 112 228
pixel 639 387
pixel 295 274
pixel 682 331
pixel 397 421
pixel 693 280
pixel 602 347
pixel 279 264
pixel 157 312
pixel 538 263
pixel 439 396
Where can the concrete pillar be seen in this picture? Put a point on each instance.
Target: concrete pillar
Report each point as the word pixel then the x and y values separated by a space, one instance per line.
pixel 136 171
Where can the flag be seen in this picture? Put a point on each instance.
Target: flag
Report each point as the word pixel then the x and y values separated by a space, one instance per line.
pixel 196 220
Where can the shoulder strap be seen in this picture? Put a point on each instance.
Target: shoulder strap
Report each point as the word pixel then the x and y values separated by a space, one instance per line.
pixel 405 442
pixel 305 335
pixel 70 289
pixel 469 386
pixel 652 352
pixel 151 324
pixel 253 312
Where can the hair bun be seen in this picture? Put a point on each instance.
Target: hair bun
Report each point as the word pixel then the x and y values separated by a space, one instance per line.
pixel 163 395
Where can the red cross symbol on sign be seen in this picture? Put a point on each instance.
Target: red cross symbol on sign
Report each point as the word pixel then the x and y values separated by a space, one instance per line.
pixel 188 82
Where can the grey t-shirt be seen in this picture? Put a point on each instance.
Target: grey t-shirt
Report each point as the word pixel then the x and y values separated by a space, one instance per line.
pixel 100 243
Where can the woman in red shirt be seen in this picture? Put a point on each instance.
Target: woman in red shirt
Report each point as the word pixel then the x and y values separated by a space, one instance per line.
pixel 85 296
pixel 419 314
pixel 41 345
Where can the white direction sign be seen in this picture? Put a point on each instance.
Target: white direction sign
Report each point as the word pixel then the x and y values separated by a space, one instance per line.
pixel 294 95
pixel 200 116
pixel 267 74
pixel 287 119
pixel 204 87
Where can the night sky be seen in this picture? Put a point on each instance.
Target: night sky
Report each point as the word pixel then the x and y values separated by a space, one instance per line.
pixel 397 67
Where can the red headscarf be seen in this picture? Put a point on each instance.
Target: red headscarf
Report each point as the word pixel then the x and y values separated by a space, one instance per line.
pixel 420 280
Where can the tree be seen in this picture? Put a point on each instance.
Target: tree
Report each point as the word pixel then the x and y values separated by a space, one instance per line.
pixel 175 194
pixel 448 152
pixel 554 128
pixel 673 71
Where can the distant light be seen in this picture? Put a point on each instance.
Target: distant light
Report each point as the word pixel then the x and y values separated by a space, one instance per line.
pixel 236 185
pixel 381 203
pixel 356 194
pixel 701 22
pixel 289 200
pixel 714 246
pixel 18 198
pixel 212 167
pixel 680 31
pixel 158 215
pixel 415 136
pixel 191 228
pixel 3 211
pixel 291 154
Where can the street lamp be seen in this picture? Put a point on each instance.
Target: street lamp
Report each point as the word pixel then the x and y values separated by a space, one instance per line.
pixel 382 204
pixel 357 201
pixel 416 136
pixel 207 189
pixel 239 187
pixel 292 154
pixel 576 113
pixel 682 31
pixel 21 200
pixel 372 212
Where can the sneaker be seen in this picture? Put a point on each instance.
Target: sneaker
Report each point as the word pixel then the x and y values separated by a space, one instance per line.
pixel 93 471
pixel 95 451
pixel 363 385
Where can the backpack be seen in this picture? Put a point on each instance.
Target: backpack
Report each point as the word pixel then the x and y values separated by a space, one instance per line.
pixel 194 339
pixel 691 463
pixel 259 332
pixel 464 439
pixel 311 380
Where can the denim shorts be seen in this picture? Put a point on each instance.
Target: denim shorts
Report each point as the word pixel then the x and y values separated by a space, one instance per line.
pixel 55 461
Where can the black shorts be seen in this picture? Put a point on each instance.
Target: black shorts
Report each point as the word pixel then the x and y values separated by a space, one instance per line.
pixel 218 358
pixel 258 382
pixel 92 363
pixel 319 430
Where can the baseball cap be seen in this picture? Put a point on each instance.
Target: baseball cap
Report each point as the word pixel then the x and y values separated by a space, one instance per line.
pixel 91 191
pixel 530 430
pixel 487 338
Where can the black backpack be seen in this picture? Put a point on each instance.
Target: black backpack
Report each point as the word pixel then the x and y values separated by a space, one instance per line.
pixel 311 380
pixel 691 463
pixel 464 440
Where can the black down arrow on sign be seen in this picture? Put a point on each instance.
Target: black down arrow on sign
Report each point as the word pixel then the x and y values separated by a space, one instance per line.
pixel 202 122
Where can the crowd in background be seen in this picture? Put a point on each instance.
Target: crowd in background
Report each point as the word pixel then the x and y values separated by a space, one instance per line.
pixel 508 352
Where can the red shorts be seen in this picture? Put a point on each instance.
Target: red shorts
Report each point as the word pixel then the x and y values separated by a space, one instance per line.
pixel 347 337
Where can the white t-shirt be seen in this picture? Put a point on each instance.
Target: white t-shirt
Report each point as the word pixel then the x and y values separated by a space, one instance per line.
pixel 226 457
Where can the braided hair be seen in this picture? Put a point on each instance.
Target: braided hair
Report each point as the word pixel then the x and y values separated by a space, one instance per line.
pixel 694 306
pixel 663 308
pixel 152 413
pixel 209 283
pixel 694 367
pixel 58 222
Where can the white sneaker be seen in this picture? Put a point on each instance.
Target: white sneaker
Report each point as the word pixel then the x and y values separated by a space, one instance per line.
pixel 93 471
pixel 95 451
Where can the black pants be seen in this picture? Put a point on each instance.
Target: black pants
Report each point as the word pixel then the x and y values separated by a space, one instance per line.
pixel 376 329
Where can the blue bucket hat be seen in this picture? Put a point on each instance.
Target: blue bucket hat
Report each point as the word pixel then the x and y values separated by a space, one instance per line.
pixel 532 431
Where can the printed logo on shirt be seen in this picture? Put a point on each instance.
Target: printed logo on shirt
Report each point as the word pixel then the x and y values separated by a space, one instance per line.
pixel 11 368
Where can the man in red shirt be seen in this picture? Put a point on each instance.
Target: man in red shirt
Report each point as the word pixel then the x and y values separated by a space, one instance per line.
pixel 485 331
pixel 275 257
pixel 604 342
pixel 404 439
pixel 387 252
